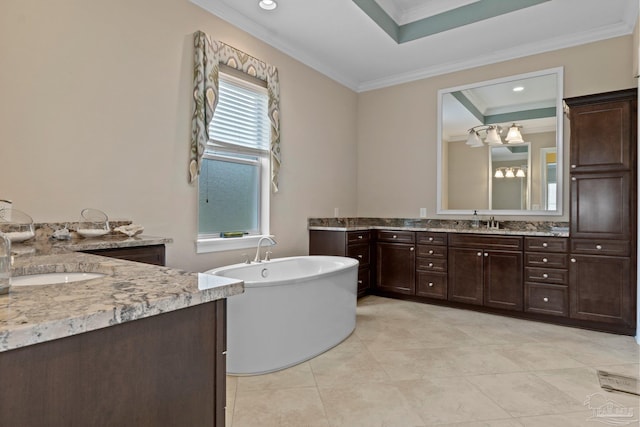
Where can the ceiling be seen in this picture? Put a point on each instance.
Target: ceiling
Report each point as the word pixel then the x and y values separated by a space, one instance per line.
pixel 353 42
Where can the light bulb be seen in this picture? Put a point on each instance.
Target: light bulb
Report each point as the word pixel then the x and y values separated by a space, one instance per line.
pixel 268 4
pixel 514 136
pixel 499 174
pixel 492 137
pixel 520 173
pixel 509 173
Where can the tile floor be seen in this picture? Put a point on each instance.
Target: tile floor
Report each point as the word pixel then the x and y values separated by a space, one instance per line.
pixel 415 365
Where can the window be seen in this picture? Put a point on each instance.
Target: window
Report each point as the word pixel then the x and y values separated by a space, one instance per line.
pixel 234 177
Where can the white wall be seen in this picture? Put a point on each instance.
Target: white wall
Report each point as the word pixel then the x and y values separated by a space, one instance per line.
pixel 96 112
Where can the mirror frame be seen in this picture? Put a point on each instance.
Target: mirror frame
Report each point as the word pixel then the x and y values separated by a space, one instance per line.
pixel 559 74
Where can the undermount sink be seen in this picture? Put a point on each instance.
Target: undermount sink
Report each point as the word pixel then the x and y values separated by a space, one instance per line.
pixel 52 278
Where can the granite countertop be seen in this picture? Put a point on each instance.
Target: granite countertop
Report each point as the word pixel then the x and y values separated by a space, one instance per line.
pixel 129 290
pixel 518 228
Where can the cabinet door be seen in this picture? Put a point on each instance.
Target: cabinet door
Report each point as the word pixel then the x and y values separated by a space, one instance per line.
pixel 600 205
pixel 601 289
pixel 600 136
pixel 396 267
pixel 465 275
pixel 503 287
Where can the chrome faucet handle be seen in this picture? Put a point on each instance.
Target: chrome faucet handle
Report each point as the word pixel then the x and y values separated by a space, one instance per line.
pixel 267 256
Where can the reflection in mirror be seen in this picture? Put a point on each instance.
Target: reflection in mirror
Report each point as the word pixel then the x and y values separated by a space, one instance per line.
pixel 511 123
pixel 510 177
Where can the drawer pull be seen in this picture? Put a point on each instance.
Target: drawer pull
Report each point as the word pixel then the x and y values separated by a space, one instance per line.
pixel 573 166
pixel 431 252
pixel 573 178
pixel 479 254
pixel 545 260
pixel 598 247
pixel 431 239
pixel 430 264
pixel 360 256
pixel 412 249
pixel 573 260
pixel 486 254
pixel 395 237
pixel 545 276
pixel 545 244
pixel 545 299
pixel 431 284
pixel 359 282
pixel 360 237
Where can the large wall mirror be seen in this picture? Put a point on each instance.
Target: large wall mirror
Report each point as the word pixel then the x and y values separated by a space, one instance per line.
pixel 500 146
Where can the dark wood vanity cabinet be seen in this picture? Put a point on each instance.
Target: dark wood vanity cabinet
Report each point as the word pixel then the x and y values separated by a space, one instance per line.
pixel 352 244
pixel 603 171
pixel 546 275
pixel 396 261
pixel 152 254
pixel 431 265
pixel 486 270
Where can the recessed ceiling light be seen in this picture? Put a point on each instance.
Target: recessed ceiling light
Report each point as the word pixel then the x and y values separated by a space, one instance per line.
pixel 518 89
pixel 268 4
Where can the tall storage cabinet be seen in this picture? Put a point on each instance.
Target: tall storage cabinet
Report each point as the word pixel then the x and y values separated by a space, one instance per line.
pixel 603 167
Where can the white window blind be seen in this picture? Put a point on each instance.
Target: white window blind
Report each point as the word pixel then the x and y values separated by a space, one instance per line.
pixel 240 119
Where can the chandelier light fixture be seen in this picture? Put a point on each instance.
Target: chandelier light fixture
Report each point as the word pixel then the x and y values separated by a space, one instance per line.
pixel 510 172
pixel 514 136
pixel 492 136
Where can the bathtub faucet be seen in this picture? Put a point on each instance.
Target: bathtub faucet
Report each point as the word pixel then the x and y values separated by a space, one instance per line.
pixel 273 242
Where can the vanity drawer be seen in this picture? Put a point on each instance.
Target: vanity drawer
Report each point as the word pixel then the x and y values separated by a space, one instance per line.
pixel 480 241
pixel 358 237
pixel 431 264
pixel 432 285
pixel 431 238
pixel 546 244
pixel 359 252
pixel 363 281
pixel 546 299
pixel 546 275
pixel 432 251
pixel 396 236
pixel 550 260
pixel 600 247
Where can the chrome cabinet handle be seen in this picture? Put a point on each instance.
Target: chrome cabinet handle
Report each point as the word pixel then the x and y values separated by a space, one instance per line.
pixel 359 282
pixel 545 276
pixel 431 239
pixel 360 237
pixel 545 299
pixel 573 178
pixel 545 260
pixel 360 256
pixel 412 248
pixel 431 284
pixel 573 260
pixel 598 247
pixel 395 237
pixel 545 244
pixel 486 254
pixel 430 264
pixel 479 254
pixel 431 252
pixel 573 166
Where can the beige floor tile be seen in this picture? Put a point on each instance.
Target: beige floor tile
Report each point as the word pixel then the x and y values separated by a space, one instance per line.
pixel 296 376
pixel 574 419
pixel 294 407
pixel 232 386
pixel 537 356
pixel 581 383
pixel 336 368
pixel 498 333
pixel 412 364
pixel 449 400
pixel 368 405
pixel 607 350
pixel 512 422
pixel 524 394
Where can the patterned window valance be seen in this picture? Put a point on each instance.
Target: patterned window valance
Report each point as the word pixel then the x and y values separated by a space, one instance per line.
pixel 208 57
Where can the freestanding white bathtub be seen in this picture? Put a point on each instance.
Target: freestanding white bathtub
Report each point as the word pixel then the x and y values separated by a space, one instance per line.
pixel 292 310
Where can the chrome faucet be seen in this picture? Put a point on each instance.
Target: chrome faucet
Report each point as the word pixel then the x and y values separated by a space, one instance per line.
pixel 273 242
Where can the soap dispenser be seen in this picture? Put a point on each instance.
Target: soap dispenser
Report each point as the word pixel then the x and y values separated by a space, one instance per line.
pixel 5 264
pixel 475 223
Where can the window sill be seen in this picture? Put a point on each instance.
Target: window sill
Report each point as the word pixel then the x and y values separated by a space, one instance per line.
pixel 226 244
